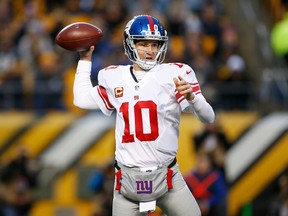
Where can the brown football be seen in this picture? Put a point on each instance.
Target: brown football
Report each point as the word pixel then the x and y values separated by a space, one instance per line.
pixel 79 36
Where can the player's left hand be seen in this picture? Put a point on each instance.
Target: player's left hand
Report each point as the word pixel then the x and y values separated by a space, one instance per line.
pixel 87 54
pixel 184 88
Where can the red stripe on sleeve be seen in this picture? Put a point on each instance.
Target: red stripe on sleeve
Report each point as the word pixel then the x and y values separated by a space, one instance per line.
pixel 104 96
pixel 179 97
pixel 196 88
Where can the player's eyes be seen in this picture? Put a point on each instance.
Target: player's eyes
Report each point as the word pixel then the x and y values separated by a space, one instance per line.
pixel 155 45
pixel 148 44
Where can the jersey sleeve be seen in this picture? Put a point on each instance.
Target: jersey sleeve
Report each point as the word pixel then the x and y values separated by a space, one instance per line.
pixel 82 88
pixel 188 74
pixel 102 96
pixel 198 106
pixel 85 95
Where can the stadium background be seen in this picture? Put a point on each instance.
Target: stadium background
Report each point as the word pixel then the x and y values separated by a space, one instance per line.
pixel 226 42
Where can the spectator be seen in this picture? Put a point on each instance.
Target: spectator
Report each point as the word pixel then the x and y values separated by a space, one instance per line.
pixel 11 76
pixel 17 181
pixel 101 183
pixel 235 89
pixel 49 83
pixel 279 206
pixel 33 43
pixel 231 75
pixel 211 27
pixel 180 19
pixel 213 141
pixel 208 187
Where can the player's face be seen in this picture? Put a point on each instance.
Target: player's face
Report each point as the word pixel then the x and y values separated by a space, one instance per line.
pixel 147 49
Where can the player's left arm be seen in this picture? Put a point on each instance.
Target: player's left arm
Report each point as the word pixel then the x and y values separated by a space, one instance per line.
pixel 188 86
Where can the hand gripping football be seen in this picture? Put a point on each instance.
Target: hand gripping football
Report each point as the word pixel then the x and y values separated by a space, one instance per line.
pixel 79 36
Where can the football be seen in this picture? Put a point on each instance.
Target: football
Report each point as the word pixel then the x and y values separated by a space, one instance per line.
pixel 79 36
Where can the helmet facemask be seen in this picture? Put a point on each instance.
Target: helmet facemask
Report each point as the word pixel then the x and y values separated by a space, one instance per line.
pixel 144 63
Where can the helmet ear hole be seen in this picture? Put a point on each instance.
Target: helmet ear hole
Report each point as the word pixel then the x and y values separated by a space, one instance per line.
pixel 145 27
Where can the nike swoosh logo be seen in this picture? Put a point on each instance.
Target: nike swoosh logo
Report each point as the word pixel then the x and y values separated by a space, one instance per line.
pixel 188 72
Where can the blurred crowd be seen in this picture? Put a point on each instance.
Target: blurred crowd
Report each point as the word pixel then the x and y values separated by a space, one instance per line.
pixel 18 184
pixel 35 73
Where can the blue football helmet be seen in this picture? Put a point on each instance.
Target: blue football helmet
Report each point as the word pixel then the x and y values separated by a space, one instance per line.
pixel 145 27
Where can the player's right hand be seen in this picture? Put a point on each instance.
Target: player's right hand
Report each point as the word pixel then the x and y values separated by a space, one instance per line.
pixel 184 88
pixel 87 54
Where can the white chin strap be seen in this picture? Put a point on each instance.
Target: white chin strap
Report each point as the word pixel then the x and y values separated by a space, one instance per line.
pixel 146 65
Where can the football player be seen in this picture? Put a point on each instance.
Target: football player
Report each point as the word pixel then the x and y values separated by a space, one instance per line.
pixel 148 97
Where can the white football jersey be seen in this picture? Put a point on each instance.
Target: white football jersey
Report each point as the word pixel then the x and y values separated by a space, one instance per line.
pixel 148 112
